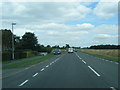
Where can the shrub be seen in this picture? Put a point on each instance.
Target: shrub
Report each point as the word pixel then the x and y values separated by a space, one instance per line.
pixel 7 55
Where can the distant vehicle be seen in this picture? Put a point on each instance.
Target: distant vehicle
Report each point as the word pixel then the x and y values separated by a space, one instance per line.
pixel 70 50
pixel 57 51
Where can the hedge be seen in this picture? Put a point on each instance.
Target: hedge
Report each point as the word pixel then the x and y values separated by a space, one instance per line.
pixel 6 56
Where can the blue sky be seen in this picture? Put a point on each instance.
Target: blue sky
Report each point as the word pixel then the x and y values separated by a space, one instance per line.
pixel 77 24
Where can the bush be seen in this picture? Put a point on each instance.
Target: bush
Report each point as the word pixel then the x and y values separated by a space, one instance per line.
pixel 7 55
pixel 20 55
pixel 30 53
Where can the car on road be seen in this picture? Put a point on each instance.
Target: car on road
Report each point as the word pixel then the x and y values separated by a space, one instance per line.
pixel 57 51
pixel 70 50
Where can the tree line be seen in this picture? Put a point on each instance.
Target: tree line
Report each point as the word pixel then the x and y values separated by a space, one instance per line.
pixel 104 47
pixel 26 42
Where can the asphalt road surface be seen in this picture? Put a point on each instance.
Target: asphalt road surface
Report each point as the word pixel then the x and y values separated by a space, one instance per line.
pixel 70 70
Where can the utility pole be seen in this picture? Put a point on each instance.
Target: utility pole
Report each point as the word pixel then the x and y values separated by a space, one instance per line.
pixel 13 48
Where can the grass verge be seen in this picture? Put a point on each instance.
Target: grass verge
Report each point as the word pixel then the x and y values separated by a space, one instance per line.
pixel 6 62
pixel 28 63
pixel 108 57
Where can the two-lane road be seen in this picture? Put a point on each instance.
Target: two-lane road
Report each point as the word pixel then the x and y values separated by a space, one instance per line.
pixel 71 70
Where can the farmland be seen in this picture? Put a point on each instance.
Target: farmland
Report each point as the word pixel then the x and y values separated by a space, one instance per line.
pixel 110 54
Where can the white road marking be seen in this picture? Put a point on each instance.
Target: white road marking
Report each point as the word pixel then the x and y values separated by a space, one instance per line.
pixel 23 83
pixel 42 69
pixel 111 61
pixel 47 66
pixel 57 59
pixel 27 68
pixel 78 56
pixel 116 63
pixel 35 74
pixel 50 63
pixel 83 61
pixel 112 88
pixel 94 71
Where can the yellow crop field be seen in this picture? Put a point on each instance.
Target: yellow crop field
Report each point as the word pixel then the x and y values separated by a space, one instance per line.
pixel 111 54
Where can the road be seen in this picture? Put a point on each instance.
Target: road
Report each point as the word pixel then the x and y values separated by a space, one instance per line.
pixel 70 70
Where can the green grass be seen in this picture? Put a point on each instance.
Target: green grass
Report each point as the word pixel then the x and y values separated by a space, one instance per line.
pixel 28 63
pixel 6 62
pixel 116 59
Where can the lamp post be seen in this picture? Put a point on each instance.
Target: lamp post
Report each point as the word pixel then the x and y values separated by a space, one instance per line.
pixel 13 56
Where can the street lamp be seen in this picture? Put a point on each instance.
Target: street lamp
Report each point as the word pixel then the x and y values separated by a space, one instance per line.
pixel 13 56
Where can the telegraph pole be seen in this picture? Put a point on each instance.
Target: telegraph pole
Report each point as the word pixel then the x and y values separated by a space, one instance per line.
pixel 13 48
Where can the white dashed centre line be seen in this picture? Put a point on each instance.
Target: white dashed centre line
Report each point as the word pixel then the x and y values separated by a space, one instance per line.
pixel 47 66
pixel 111 61
pixel 35 74
pixel 23 83
pixel 116 63
pixel 94 71
pixel 84 61
pixel 42 69
pixel 50 63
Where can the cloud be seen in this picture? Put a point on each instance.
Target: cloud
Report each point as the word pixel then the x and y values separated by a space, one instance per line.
pixel 42 12
pixel 106 10
pixel 104 28
pixel 44 18
pixel 105 39
pixel 85 26
pixel 21 31
pixel 103 36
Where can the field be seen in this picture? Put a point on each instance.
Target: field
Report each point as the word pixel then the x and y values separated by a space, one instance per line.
pixel 110 54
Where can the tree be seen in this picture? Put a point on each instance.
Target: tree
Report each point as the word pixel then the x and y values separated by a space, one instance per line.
pixel 6 39
pixel 56 47
pixel 48 46
pixel 67 46
pixel 17 42
pixel 29 41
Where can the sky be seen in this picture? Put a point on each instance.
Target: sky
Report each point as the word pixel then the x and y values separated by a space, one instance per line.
pixel 58 23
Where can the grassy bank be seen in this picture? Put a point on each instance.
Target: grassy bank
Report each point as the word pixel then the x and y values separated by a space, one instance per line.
pixel 110 54
pixel 10 61
pixel 29 63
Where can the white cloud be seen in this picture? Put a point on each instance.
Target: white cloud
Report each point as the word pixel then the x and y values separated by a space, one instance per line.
pixel 106 10
pixel 43 18
pixel 79 34
pixel 41 12
pixel 104 28
pixel 103 36
pixel 85 26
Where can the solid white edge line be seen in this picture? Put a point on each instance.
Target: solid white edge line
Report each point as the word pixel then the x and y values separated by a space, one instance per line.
pixel 35 74
pixel 23 83
pixel 42 69
pixel 83 61
pixel 112 88
pixel 94 71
